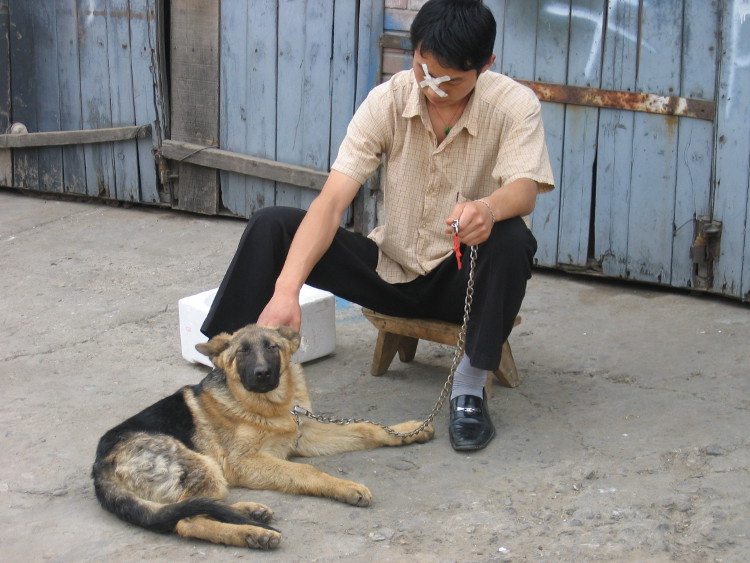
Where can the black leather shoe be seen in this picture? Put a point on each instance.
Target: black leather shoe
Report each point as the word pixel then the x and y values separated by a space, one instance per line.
pixel 470 427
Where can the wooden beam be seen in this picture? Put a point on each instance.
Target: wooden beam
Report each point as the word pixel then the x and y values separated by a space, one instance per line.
pixel 58 138
pixel 629 101
pixel 243 164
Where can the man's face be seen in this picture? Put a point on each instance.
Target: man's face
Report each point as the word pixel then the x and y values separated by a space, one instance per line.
pixel 459 86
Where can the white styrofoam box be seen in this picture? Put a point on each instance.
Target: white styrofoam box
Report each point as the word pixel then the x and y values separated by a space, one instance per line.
pixel 318 328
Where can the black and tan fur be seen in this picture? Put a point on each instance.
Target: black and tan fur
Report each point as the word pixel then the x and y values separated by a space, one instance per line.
pixel 168 467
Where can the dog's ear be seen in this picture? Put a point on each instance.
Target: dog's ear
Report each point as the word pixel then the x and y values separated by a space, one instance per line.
pixel 215 346
pixel 291 336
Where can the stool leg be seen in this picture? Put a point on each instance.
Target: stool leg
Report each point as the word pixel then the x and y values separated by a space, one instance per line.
pixel 507 373
pixel 407 348
pixel 385 350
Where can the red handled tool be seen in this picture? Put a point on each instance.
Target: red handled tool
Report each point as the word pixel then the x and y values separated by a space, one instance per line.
pixel 456 243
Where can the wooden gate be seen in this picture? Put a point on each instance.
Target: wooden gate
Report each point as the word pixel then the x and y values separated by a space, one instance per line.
pixel 263 92
pixel 82 81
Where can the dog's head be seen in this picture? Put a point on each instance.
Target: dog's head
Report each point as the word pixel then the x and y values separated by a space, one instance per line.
pixel 256 355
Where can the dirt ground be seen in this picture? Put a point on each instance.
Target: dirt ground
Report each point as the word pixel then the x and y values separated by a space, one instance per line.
pixel 626 441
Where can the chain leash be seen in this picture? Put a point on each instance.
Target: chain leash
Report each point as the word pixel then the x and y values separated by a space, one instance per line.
pixel 298 411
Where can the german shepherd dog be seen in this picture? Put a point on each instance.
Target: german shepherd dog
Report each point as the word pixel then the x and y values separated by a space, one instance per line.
pixel 168 468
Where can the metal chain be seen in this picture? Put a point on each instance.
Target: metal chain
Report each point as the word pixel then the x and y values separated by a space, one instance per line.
pixel 457 355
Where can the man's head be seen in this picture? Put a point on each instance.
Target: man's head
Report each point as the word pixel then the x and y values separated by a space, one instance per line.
pixel 460 34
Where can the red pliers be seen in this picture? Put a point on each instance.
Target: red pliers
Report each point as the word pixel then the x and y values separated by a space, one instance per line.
pixel 456 242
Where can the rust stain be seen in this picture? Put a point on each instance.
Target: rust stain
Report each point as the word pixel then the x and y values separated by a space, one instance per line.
pixel 615 99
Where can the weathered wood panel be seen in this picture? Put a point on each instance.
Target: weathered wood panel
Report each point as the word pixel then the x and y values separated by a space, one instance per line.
pixel 580 135
pixel 23 90
pixel 615 142
pixel 696 137
pixel 95 88
pixel 147 92
pixel 48 98
pixel 71 117
pixel 287 91
pixel 732 197
pixel 6 160
pixel 654 177
pixel 248 99
pixel 304 74
pixel 551 48
pixel 121 99
pixel 195 96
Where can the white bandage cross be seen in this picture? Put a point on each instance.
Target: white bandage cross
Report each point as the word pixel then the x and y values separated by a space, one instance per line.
pixel 434 82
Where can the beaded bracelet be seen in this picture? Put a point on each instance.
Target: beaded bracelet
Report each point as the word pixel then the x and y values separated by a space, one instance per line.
pixel 488 207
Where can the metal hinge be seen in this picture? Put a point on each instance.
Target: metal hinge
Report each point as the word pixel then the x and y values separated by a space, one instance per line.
pixel 705 251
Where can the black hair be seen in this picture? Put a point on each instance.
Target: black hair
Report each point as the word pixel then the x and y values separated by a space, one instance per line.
pixel 460 34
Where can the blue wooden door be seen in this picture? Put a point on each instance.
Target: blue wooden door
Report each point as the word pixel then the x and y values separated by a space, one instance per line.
pixel 82 65
pixel 291 74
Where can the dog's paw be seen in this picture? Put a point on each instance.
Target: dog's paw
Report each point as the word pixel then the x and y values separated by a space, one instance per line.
pixel 258 512
pixel 259 538
pixel 424 435
pixel 356 494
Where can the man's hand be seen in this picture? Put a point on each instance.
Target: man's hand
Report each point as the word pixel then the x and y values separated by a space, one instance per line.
pixel 282 310
pixel 474 222
pixel 475 219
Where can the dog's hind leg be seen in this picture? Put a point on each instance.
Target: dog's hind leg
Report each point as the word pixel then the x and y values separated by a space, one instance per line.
pixel 258 512
pixel 237 535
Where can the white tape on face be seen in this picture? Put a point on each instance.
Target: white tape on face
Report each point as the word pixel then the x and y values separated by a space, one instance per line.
pixel 434 82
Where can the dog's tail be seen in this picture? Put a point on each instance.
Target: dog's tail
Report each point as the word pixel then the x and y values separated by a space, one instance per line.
pixel 158 517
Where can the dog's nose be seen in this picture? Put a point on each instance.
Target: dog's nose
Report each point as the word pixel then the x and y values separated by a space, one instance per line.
pixel 261 372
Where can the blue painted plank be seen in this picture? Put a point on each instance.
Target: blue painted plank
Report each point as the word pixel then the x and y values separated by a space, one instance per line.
pixel 95 102
pixel 731 207
pixel 235 48
pixel 551 53
pixel 370 26
pixel 147 95
pixel 696 137
pixel 249 91
pixel 23 90
pixel 48 94
pixel 497 7
pixel 121 100
pixel 519 39
pixel 580 137
pixel 74 168
pixel 304 112
pixel 654 177
pixel 6 160
pixel 615 142
pixel 343 73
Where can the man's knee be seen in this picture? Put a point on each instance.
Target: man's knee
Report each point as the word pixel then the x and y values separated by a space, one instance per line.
pixel 513 240
pixel 273 222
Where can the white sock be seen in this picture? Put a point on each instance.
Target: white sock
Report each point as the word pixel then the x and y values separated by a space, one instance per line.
pixel 468 380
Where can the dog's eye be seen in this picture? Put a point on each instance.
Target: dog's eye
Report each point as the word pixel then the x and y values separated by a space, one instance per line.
pixel 244 347
pixel 271 346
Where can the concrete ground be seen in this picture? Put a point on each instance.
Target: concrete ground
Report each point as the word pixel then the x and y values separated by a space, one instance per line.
pixel 626 441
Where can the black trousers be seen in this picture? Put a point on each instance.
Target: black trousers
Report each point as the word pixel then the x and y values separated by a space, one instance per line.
pixel 347 270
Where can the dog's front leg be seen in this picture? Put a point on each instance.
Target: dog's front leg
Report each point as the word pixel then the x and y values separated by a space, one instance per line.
pixel 262 471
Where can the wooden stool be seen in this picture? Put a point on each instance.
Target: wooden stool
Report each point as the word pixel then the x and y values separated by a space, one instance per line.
pixel 396 334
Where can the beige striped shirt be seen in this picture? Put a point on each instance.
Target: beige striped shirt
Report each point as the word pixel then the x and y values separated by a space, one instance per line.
pixel 498 139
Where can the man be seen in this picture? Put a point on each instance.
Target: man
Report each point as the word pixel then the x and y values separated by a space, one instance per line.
pixel 460 143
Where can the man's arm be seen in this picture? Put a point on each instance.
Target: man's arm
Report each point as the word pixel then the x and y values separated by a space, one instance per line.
pixel 475 220
pixel 311 241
